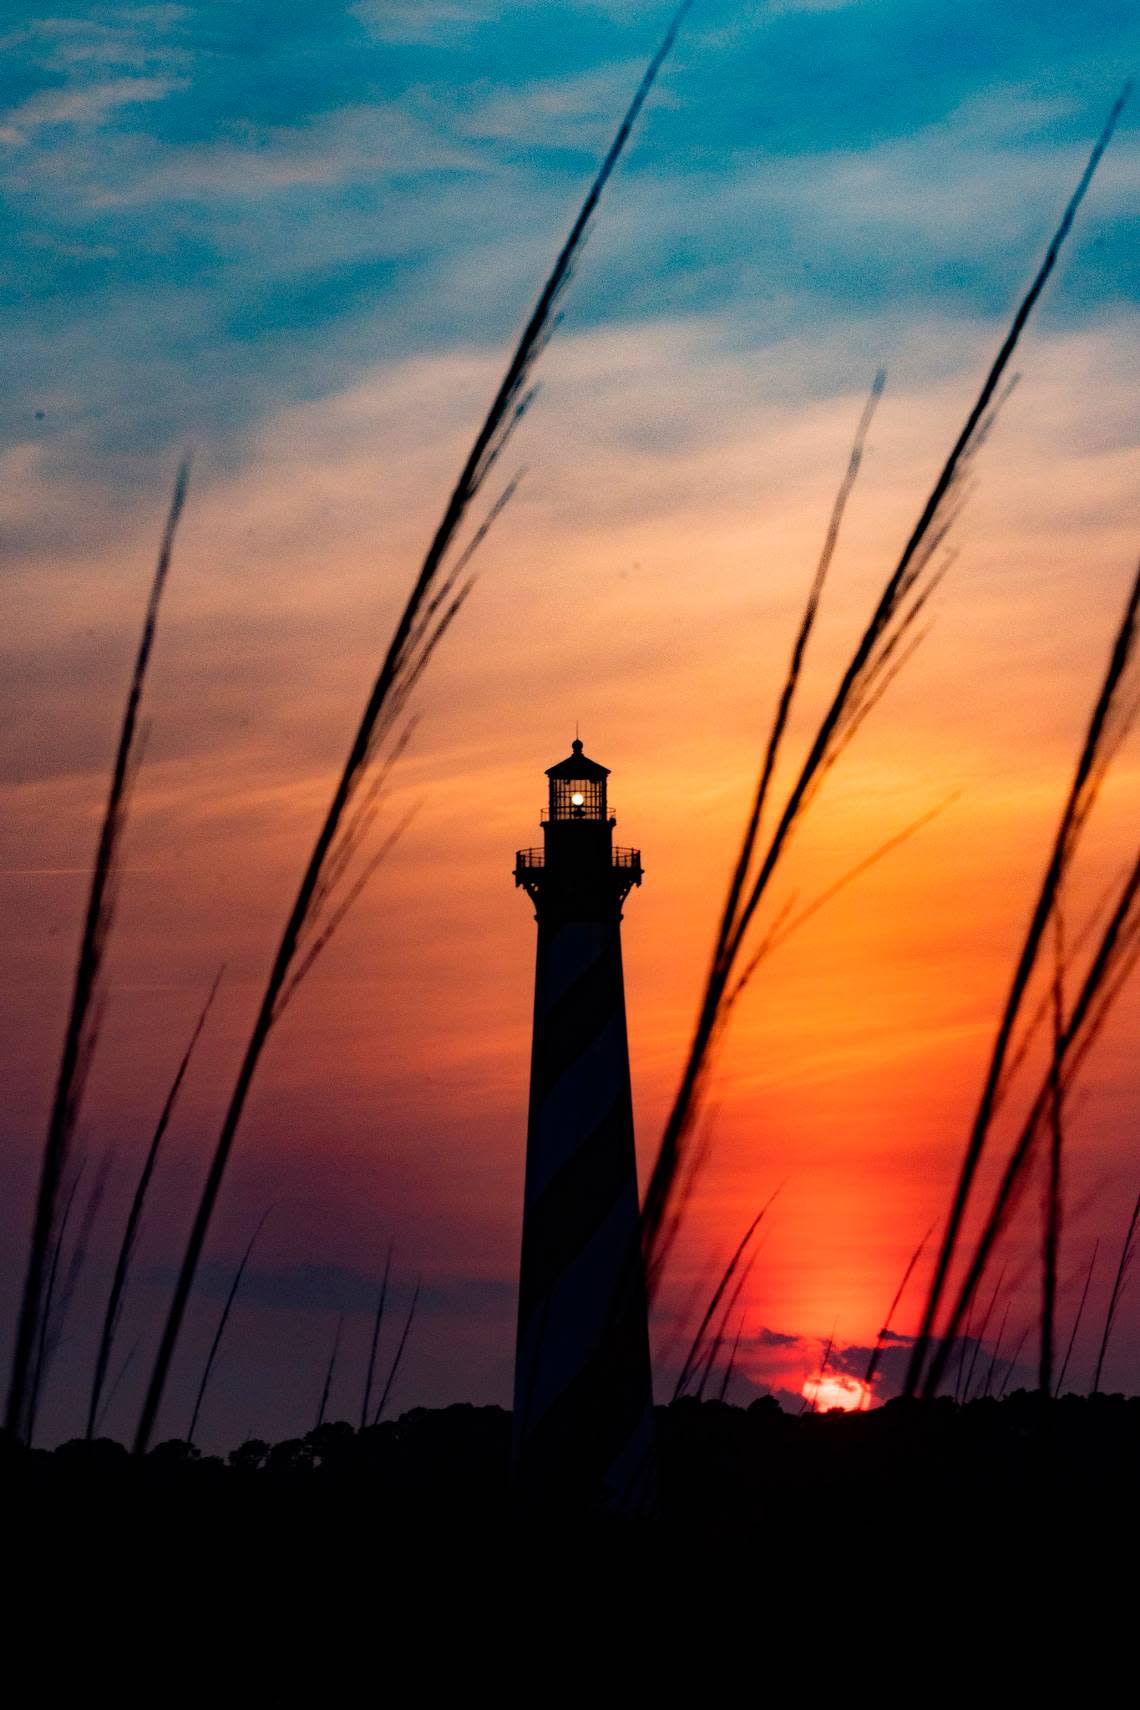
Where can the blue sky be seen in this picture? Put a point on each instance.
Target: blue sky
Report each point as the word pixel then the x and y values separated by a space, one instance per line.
pixel 213 210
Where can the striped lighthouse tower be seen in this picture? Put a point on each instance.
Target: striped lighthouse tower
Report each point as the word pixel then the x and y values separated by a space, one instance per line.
pixel 583 1416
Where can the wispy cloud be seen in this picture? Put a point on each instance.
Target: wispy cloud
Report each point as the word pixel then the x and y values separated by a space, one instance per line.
pixel 81 106
pixel 417 21
pixel 557 112
pixel 355 144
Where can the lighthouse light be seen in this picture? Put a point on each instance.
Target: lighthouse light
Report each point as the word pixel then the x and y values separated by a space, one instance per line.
pixel 578 799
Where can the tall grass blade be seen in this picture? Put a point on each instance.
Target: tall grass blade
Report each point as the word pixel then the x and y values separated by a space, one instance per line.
pixel 1073 816
pixel 330 1369
pixel 1126 1256
pixel 693 1355
pixel 730 1368
pixel 1009 1370
pixel 78 1036
pixel 403 1342
pixel 992 1367
pixel 1044 1008
pixel 43 1340
pixel 1081 1029
pixel 963 1349
pixel 1077 1320
pixel 75 1268
pixel 366 1399
pixel 980 1338
pixel 1051 1246
pixel 222 1322
pixel 722 1328
pixel 134 1216
pixel 116 1384
pixel 881 1338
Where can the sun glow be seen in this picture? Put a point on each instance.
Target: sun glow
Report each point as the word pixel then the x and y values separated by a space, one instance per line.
pixel 833 1390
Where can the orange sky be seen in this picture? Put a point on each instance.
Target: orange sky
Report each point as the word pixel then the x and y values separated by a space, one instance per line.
pixel 645 583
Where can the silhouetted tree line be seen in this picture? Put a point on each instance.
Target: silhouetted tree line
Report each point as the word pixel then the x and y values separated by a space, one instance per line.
pixel 720 1466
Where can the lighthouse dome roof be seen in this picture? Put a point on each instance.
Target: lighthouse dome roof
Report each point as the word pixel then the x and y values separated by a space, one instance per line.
pixel 578 765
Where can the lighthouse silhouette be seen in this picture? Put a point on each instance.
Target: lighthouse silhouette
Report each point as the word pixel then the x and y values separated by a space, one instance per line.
pixel 583 1404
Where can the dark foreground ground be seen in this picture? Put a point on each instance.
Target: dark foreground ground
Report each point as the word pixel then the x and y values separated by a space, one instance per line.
pixel 990 1466
pixel 915 1554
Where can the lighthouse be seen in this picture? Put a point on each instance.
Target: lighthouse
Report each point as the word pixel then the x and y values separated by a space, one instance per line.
pixel 583 1413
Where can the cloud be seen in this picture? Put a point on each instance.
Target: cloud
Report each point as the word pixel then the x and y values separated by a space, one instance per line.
pixel 85 106
pixel 418 21
pixel 952 183
pixel 781 8
pixel 968 1358
pixel 765 1338
pixel 354 144
pixel 577 111
pixel 119 35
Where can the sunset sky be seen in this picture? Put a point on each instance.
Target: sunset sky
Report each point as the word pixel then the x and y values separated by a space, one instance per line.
pixel 299 242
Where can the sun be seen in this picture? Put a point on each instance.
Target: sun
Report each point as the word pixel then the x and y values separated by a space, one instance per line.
pixel 834 1390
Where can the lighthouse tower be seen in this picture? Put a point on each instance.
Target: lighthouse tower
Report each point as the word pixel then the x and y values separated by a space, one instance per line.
pixel 583 1397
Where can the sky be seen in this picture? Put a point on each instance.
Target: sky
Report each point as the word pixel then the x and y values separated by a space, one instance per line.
pixel 298 243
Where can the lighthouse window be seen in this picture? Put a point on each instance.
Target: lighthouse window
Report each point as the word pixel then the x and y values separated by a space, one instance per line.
pixel 577 798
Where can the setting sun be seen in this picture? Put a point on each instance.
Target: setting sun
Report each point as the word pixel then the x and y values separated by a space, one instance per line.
pixel 846 1393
